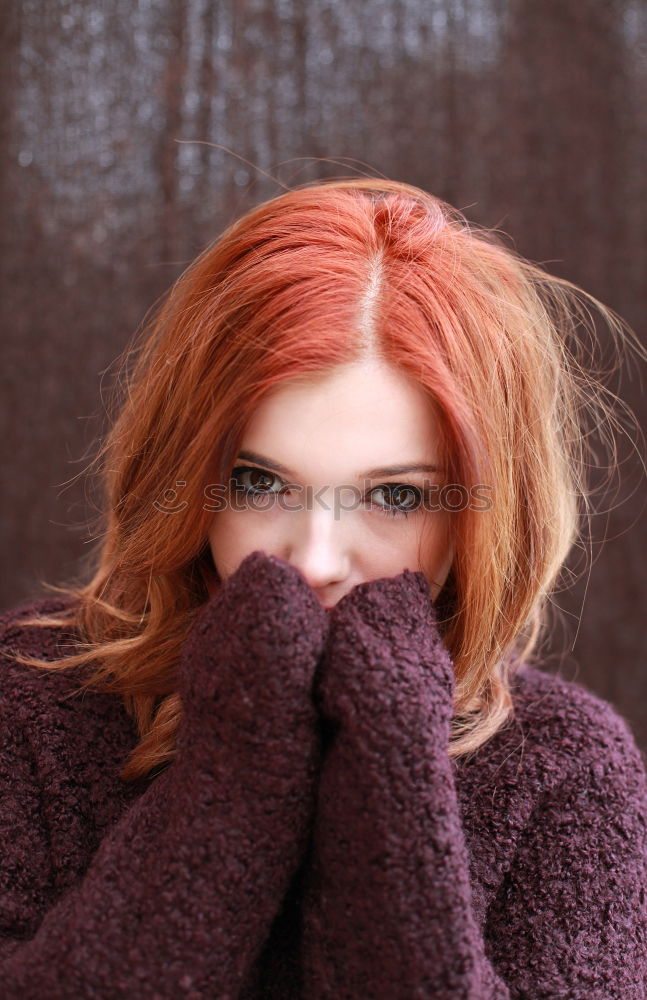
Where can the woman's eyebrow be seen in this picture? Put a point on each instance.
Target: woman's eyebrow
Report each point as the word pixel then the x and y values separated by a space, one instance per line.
pixel 387 470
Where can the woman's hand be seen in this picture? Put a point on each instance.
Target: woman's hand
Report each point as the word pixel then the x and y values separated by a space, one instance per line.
pixel 180 896
pixel 389 870
pixel 249 659
pixel 383 642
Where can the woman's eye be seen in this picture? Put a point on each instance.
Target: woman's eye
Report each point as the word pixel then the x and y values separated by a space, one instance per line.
pixel 259 481
pixel 393 499
pixel 402 498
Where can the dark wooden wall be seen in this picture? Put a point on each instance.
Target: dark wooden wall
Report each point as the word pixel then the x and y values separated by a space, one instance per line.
pixel 526 115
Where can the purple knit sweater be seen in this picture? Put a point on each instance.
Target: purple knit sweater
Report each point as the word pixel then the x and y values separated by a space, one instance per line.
pixel 312 837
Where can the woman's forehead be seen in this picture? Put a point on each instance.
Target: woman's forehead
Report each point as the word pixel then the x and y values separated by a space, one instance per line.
pixel 360 418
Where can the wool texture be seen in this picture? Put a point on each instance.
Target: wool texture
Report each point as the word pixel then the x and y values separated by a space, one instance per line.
pixel 312 838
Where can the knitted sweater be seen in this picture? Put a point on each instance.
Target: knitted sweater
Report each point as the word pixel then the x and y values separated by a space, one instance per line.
pixel 312 837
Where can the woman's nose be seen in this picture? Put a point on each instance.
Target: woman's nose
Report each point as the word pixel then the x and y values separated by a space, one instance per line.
pixel 317 545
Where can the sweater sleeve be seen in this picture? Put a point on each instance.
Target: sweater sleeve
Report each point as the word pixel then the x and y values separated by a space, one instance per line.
pixel 570 920
pixel 387 902
pixel 180 895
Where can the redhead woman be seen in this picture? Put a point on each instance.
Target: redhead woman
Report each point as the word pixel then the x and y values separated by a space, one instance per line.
pixel 290 736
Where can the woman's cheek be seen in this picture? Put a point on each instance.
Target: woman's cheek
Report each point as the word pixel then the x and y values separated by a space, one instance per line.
pixel 234 534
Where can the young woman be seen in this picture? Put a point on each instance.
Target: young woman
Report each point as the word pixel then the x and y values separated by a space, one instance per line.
pixel 291 736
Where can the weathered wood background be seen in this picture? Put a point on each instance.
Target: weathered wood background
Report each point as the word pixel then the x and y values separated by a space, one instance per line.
pixel 530 117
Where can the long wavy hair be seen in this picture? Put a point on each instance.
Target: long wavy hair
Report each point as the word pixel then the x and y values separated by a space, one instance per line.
pixel 325 274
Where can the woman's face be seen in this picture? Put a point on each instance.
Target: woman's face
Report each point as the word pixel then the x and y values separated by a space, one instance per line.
pixel 311 485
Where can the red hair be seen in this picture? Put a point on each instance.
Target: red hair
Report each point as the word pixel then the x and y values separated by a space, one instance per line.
pixel 323 275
